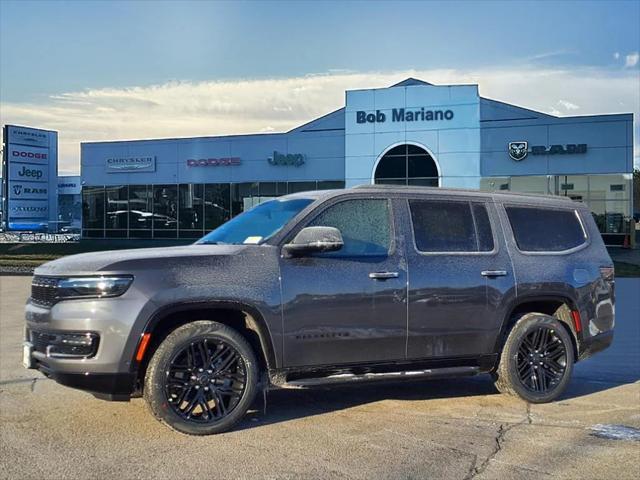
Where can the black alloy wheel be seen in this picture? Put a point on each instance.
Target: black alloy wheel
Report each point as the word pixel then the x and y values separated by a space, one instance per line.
pixel 205 380
pixel 202 378
pixel 537 359
pixel 541 360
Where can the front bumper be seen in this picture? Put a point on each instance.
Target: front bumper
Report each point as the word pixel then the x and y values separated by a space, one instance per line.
pixel 107 372
pixel 106 386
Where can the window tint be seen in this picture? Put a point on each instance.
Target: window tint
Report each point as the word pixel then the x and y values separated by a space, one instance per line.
pixel 483 228
pixel 364 225
pixel 538 229
pixel 442 226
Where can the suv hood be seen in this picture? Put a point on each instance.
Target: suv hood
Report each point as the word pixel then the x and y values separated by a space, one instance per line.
pixel 122 260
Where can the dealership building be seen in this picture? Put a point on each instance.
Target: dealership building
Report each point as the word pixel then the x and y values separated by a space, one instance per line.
pixel 412 133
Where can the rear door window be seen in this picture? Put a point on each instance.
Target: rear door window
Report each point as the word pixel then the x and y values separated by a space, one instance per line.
pixel 451 226
pixel 545 229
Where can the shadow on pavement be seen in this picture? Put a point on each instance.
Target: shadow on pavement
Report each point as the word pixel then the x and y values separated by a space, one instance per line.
pixel 292 403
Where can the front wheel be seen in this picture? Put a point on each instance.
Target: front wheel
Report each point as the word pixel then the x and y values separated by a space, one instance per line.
pixel 202 378
pixel 537 359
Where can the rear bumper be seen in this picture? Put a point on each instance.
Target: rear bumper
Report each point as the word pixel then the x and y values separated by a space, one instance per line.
pixel 595 344
pixel 106 386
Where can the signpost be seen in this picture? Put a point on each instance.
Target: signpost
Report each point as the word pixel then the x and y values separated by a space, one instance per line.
pixel 29 178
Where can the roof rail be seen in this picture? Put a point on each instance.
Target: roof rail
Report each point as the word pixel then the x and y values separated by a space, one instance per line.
pixel 415 188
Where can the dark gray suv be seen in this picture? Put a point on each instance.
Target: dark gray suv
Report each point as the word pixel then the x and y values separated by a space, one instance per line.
pixel 333 284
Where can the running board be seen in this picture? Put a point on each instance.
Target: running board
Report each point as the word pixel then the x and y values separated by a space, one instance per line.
pixel 369 377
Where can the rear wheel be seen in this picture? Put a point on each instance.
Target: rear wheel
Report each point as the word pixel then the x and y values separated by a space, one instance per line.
pixel 537 359
pixel 202 378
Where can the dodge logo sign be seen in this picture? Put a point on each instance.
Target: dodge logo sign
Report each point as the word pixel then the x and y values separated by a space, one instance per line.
pixel 518 150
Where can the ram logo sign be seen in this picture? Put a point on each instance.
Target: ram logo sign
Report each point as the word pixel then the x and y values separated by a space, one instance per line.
pixel 518 150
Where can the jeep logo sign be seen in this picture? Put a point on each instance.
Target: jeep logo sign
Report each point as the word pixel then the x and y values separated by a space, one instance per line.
pixel 294 159
pixel 404 115
pixel 28 172
pixel 34 173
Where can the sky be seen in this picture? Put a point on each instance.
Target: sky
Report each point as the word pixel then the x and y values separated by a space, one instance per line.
pixel 98 70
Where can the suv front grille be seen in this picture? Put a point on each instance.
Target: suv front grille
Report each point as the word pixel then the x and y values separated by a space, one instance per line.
pixel 43 290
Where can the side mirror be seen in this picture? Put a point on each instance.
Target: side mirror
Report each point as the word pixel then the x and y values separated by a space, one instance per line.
pixel 314 240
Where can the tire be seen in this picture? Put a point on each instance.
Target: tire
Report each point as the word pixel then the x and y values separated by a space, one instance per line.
pixel 187 396
pixel 537 359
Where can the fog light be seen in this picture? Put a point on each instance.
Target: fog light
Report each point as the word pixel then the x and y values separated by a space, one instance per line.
pixel 72 345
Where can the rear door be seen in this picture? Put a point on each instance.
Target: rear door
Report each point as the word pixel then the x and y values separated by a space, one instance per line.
pixel 460 274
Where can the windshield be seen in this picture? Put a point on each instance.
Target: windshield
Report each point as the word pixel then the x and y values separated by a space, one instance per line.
pixel 258 224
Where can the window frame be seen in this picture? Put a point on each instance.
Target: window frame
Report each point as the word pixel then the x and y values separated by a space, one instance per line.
pixel 317 210
pixel 470 202
pixel 576 212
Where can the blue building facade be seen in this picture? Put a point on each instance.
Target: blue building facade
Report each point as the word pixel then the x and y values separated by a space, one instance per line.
pixel 412 133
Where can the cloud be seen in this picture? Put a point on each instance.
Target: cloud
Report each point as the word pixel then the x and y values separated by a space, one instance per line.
pixel 631 60
pixel 616 55
pixel 568 105
pixel 184 108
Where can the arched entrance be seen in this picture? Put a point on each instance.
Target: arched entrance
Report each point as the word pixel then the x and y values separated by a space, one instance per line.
pixel 407 164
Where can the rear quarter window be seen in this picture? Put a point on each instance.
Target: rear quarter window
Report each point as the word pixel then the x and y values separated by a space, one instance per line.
pixel 545 229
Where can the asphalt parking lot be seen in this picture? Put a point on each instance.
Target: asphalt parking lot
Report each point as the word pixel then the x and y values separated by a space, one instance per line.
pixel 456 429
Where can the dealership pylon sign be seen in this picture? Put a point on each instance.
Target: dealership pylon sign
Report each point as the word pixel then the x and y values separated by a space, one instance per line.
pixel 29 178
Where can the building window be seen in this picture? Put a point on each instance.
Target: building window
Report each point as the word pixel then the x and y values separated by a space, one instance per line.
pixel 93 211
pixel 295 187
pixel 177 211
pixel 407 165
pixel 117 220
pixel 140 211
pixel 217 205
pixel 191 210
pixel 165 211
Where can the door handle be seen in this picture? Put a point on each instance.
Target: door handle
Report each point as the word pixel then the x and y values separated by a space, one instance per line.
pixel 493 273
pixel 383 275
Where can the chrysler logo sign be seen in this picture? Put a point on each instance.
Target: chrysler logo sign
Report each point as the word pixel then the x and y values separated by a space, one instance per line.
pixel 130 164
pixel 519 150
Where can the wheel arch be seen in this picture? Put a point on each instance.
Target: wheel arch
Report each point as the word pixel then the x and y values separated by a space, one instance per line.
pixel 244 318
pixel 557 306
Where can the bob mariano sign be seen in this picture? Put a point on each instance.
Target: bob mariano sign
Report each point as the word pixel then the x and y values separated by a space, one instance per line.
pixel 404 115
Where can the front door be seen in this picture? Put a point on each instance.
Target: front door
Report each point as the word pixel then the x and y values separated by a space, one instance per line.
pixel 460 273
pixel 347 306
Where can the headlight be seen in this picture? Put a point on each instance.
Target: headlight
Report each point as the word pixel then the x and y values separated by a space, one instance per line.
pixel 91 287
